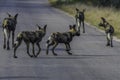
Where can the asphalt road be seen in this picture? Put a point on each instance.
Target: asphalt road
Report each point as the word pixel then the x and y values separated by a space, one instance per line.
pixel 91 59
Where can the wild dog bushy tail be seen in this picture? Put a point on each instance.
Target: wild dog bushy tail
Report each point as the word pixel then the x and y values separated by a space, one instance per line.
pixel 51 38
pixel 18 39
pixel 48 41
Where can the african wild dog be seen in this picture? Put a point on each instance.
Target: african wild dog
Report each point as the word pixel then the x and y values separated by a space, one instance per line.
pixel 80 17
pixel 66 38
pixel 33 37
pixel 109 30
pixel 9 25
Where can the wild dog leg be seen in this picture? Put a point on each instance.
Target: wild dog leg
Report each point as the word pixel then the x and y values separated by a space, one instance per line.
pixel 16 45
pixel 33 50
pixel 108 42
pixel 48 45
pixel 8 37
pixel 47 50
pixel 108 39
pixel 4 45
pixel 111 41
pixel 27 44
pixel 39 49
pixel 54 46
pixel 13 38
pixel 68 48
pixel 79 29
pixel 79 25
pixel 83 27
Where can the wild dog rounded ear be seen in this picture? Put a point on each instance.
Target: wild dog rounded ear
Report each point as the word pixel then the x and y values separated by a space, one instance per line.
pixel 38 26
pixel 74 25
pixel 77 9
pixel 16 16
pixel 8 15
pixel 70 26
pixel 45 27
pixel 103 19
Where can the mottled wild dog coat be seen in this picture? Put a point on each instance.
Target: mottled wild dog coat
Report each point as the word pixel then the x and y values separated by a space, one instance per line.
pixel 9 25
pixel 109 30
pixel 80 17
pixel 33 37
pixel 66 38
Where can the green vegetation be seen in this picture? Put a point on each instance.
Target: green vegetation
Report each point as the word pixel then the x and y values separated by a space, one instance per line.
pixel 92 14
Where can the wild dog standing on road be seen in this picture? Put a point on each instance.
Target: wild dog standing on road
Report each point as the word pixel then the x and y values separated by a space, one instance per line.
pixel 109 30
pixel 9 25
pixel 80 17
pixel 66 38
pixel 33 37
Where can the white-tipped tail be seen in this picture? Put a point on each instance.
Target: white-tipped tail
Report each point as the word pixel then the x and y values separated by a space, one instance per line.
pixel 15 43
pixel 108 35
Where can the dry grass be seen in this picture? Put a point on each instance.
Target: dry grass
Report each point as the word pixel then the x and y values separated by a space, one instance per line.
pixel 93 14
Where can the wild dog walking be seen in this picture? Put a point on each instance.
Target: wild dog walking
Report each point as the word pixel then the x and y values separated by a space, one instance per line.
pixel 9 25
pixel 33 37
pixel 80 17
pixel 66 38
pixel 109 30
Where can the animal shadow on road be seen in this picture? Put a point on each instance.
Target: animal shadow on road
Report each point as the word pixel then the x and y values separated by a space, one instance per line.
pixel 76 56
pixel 23 77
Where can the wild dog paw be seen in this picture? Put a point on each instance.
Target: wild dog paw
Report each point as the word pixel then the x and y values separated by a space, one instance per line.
pixel 69 53
pixel 15 56
pixel 54 54
pixel 107 44
pixel 112 46
pixel 4 47
pixel 31 56
pixel 8 48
